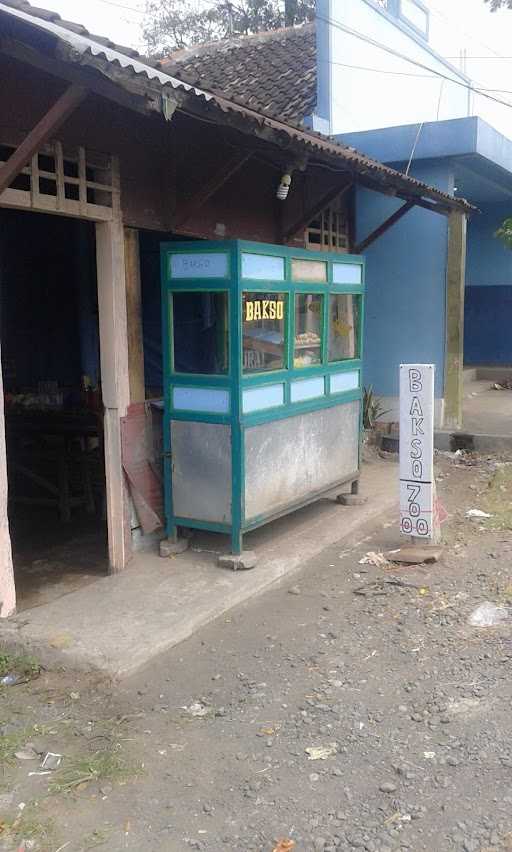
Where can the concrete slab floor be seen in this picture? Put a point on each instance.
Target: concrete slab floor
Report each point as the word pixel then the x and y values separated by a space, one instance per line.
pixel 488 412
pixel 51 558
pixel 119 623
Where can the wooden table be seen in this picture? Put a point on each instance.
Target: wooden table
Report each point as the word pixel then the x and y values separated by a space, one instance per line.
pixel 48 450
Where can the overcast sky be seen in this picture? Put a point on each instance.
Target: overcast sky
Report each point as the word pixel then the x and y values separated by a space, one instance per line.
pixel 122 25
pixel 455 25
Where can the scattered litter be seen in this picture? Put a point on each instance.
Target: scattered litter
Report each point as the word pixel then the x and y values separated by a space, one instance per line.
pixel 477 513
pixel 27 753
pixel 429 755
pixel 45 772
pixel 74 696
pixel 467 706
pixel 415 555
pixel 376 559
pixel 10 679
pixel 51 761
pixel 383 586
pixel 197 709
pixel 397 817
pixel 505 385
pixel 488 615
pixel 321 752
pixel 284 846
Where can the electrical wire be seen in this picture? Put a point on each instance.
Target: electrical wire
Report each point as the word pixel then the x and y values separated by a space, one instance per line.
pixel 411 61
pixel 468 56
pixel 432 76
pixel 409 164
pixel 122 6
pixel 434 10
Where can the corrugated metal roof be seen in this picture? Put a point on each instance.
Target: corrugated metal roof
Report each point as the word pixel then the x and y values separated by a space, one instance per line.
pixel 85 47
pixel 88 44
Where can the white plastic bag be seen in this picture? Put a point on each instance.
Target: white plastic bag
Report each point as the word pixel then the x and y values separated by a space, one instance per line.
pixel 489 615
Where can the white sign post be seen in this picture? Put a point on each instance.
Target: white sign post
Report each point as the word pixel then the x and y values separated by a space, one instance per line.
pixel 417 485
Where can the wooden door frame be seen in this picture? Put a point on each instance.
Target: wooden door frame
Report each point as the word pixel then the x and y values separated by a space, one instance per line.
pixel 112 304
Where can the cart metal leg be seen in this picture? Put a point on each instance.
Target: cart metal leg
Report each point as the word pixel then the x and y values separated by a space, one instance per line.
pixel 236 542
pixel 173 545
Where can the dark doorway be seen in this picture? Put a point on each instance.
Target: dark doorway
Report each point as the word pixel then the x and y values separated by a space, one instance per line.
pixel 53 410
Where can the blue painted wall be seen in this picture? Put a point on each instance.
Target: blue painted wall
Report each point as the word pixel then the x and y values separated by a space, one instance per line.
pixel 487 335
pixel 406 275
pixel 489 262
pixel 488 310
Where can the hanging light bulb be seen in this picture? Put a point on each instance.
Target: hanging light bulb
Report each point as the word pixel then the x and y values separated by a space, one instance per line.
pixel 284 187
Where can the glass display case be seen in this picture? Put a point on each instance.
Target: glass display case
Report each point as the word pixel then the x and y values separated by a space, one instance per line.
pixel 262 367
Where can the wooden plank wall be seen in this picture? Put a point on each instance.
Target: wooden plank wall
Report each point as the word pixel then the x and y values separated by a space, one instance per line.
pixel 163 164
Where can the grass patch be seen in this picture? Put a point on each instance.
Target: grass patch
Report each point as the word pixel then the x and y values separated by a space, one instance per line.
pixel 23 664
pixel 29 826
pixel 96 838
pixel 9 744
pixel 497 501
pixel 104 765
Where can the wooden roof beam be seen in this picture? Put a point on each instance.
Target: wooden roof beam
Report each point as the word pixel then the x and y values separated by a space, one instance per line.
pixel 230 167
pixel 83 75
pixel 389 222
pixel 41 133
pixel 418 200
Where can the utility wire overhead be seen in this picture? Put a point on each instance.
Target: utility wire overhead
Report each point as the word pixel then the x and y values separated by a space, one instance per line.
pixel 405 58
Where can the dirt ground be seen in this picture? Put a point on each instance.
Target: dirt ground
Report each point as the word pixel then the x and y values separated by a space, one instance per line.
pixel 405 706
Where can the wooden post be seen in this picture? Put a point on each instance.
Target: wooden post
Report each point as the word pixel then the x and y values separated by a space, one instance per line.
pixel 455 284
pixel 115 382
pixel 7 589
pixel 134 316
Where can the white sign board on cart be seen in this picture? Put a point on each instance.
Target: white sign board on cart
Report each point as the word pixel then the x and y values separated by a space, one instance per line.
pixel 417 486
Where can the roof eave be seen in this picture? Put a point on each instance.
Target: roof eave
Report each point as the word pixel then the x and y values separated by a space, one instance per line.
pixel 165 93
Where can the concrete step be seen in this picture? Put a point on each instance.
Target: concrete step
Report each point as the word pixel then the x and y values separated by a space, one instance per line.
pixel 493 374
pixel 470 375
pixel 473 442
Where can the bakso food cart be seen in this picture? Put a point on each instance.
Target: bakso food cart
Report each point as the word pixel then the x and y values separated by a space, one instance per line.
pixel 262 367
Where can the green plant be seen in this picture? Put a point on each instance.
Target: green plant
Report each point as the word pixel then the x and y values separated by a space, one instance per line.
pixel 27 825
pixel 9 744
pixel 372 408
pixel 104 765
pixel 23 664
pixel 505 233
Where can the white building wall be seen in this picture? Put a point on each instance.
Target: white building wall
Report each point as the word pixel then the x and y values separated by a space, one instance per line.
pixel 351 98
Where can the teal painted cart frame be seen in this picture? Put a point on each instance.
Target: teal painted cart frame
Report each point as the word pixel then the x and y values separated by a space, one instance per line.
pixel 224 267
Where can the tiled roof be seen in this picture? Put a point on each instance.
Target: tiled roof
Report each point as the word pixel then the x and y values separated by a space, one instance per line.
pixel 272 72
pixel 124 67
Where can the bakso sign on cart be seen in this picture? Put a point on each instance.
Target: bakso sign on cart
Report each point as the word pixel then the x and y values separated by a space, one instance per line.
pixel 417 486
